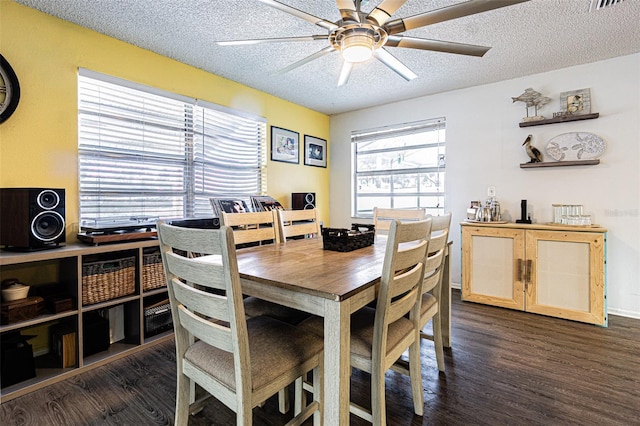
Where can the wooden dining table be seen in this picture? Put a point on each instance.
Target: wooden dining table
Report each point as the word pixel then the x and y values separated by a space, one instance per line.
pixel 331 284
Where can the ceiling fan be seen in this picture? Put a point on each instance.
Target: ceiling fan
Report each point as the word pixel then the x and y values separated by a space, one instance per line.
pixel 358 36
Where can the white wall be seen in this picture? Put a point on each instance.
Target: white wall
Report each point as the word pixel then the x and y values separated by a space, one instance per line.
pixel 484 147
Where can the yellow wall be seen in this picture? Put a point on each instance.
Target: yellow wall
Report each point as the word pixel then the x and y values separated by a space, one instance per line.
pixel 38 143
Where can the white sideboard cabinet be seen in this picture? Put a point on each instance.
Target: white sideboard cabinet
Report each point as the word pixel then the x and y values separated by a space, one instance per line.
pixel 551 270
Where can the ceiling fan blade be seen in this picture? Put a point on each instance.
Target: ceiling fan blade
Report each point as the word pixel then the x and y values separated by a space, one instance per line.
pixel 389 60
pixel 445 14
pixel 384 10
pixel 436 45
pixel 308 59
pixel 345 73
pixel 271 40
pixel 300 14
pixel 348 10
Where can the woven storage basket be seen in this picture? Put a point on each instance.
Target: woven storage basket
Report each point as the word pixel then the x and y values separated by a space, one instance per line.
pixel 108 279
pixel 152 272
pixel 340 239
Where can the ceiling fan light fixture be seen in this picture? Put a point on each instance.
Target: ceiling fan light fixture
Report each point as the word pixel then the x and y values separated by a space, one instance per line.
pixel 357 47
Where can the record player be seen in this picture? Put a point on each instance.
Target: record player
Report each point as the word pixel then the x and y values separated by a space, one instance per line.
pixel 117 229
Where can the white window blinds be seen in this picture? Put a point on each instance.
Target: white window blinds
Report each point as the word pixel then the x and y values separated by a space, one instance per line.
pixel 144 153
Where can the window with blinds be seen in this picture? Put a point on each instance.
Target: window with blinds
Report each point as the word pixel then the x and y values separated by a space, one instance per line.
pixel 400 166
pixel 144 153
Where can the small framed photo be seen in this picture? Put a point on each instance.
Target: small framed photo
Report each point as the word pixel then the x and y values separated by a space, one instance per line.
pixel 315 151
pixel 285 145
pixel 576 102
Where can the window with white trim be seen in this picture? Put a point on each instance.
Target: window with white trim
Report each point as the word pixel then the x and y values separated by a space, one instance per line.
pixel 401 166
pixel 145 153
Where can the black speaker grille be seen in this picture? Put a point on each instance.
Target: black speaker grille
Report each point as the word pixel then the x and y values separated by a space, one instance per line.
pixel 47 226
pixel 48 199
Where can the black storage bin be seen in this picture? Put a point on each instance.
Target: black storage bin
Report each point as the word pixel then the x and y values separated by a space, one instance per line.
pixel 17 359
pixel 95 333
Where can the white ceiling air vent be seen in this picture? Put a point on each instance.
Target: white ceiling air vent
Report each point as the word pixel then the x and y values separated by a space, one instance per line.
pixel 601 4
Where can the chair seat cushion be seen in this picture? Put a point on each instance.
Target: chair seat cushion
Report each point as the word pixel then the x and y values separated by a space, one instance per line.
pixel 254 307
pixel 275 348
pixel 362 330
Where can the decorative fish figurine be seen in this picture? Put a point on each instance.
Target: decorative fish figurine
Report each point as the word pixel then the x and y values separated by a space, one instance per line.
pixel 528 97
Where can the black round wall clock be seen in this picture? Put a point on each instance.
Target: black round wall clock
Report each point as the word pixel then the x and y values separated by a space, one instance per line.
pixel 9 90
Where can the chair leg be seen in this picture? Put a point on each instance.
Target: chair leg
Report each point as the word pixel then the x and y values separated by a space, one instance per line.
pixel 183 397
pixel 378 403
pixel 415 374
pixel 283 400
pixel 437 340
pixel 244 415
pixel 300 398
pixel 317 392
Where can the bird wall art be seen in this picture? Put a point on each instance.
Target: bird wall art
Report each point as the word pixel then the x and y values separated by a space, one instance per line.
pixel 534 153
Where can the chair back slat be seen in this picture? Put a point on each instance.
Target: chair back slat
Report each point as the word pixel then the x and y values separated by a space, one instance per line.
pixel 404 281
pixel 402 305
pixel 215 334
pixel 410 255
pixel 252 227
pixel 433 261
pixel 187 269
pixel 211 305
pixel 293 223
pixel 188 239
pixel 382 217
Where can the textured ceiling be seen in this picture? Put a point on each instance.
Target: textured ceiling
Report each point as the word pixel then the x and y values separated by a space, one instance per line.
pixel 527 38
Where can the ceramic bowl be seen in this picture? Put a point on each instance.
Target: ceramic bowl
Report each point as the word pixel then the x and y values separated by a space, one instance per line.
pixel 15 292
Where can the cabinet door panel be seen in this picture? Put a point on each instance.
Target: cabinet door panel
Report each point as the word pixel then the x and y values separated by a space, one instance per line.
pixel 566 276
pixel 491 266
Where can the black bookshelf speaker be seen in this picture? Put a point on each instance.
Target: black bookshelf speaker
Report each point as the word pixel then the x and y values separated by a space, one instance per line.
pixel 303 200
pixel 32 218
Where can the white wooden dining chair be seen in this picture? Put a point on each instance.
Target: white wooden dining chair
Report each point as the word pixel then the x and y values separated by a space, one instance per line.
pixel 382 217
pixel 293 223
pixel 380 336
pixel 239 361
pixel 430 309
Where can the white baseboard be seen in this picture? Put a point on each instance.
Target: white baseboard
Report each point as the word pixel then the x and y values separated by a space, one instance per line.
pixel 623 313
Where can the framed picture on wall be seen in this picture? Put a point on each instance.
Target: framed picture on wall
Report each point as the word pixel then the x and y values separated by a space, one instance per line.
pixel 285 145
pixel 576 102
pixel 315 151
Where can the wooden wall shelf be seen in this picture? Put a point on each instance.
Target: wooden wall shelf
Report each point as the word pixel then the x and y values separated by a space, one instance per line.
pixel 559 164
pixel 563 119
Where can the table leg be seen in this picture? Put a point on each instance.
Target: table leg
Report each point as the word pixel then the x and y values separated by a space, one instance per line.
pixel 337 364
pixel 446 299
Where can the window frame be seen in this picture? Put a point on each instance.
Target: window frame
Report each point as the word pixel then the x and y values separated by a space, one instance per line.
pixel 391 197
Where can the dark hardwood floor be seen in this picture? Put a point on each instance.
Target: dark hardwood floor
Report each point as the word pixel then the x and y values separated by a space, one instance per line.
pixel 505 368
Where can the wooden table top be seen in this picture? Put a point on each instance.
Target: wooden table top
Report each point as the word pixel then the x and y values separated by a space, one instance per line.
pixel 304 266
